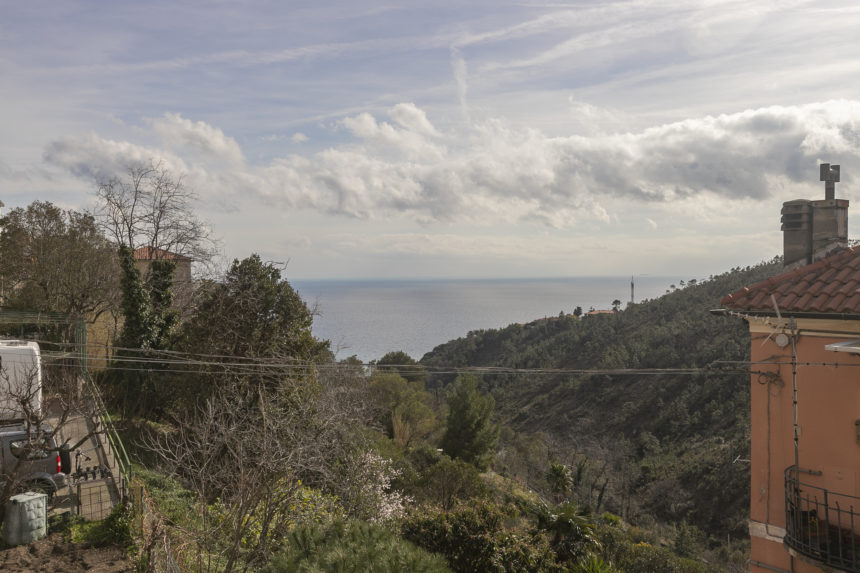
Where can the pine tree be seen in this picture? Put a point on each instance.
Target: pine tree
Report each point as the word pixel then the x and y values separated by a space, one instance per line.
pixel 470 435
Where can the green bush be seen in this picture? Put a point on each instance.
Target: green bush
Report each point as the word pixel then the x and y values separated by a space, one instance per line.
pixel 571 529
pixel 644 558
pixel 115 529
pixel 623 549
pixel 291 505
pixel 593 564
pixel 423 456
pixel 475 539
pixel 450 481
pixel 351 547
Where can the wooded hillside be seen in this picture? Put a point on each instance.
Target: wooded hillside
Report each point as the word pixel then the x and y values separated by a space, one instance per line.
pixel 665 446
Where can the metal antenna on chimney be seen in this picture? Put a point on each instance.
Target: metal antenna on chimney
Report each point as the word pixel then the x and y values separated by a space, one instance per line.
pixel 830 176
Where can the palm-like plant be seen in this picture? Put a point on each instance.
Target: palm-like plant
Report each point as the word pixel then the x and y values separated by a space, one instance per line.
pixel 571 530
pixel 560 480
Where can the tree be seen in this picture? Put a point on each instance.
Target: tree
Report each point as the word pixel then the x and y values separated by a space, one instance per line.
pixel 147 326
pixel 470 434
pixel 148 319
pixel 150 207
pixel 249 448
pixel 404 365
pixel 616 305
pixel 403 409
pixel 577 312
pixel 252 313
pixel 56 260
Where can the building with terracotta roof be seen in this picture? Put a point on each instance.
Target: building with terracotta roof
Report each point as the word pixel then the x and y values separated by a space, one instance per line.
pixel 805 397
pixel 591 313
pixel 144 255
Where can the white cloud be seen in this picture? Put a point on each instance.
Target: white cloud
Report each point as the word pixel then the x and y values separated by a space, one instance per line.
pixel 92 157
pixel 495 172
pixel 411 118
pixel 299 137
pixel 178 132
pixel 461 78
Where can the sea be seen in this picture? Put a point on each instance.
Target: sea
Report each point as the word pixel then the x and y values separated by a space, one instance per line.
pixel 369 318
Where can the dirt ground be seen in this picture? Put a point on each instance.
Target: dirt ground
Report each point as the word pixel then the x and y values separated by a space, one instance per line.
pixel 53 555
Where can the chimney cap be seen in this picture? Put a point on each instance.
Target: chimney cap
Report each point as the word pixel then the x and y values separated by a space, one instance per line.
pixel 830 176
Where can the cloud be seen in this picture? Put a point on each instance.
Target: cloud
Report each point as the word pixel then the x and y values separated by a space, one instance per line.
pixel 495 172
pixel 410 117
pixel 461 78
pixel 92 157
pixel 178 132
pixel 299 137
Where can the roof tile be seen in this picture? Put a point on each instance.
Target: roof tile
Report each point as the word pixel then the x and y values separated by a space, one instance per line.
pixel 830 285
pixel 152 253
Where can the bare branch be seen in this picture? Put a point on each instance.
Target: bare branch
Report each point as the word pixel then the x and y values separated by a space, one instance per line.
pixel 149 207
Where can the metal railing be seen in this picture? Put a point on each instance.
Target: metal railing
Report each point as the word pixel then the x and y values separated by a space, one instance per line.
pixel 114 443
pixel 78 331
pixel 821 524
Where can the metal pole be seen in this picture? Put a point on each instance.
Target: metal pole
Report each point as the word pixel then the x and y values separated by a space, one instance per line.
pixel 793 327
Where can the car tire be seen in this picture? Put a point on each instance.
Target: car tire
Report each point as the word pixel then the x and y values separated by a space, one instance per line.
pixel 40 487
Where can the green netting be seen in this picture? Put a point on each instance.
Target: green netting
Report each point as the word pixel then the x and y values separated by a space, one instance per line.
pixel 63 337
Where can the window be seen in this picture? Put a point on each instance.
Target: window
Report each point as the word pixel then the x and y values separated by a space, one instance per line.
pixel 29 450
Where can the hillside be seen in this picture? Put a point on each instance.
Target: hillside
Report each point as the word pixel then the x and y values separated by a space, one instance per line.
pixel 648 445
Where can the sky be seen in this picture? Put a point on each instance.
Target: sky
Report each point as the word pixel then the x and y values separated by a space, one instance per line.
pixel 407 139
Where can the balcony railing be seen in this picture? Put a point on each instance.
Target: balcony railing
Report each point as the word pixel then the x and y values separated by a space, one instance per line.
pixel 822 524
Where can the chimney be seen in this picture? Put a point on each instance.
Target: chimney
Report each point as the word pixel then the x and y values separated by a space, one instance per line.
pixel 814 229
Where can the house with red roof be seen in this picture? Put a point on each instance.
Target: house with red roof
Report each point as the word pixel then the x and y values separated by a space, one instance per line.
pixel 143 256
pixel 805 395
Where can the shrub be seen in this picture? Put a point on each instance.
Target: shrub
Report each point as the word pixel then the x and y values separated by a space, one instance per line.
pixel 450 481
pixel 571 529
pixel 593 564
pixel 351 547
pixel 291 505
pixel 371 495
pixel 645 558
pixel 475 539
pixel 115 529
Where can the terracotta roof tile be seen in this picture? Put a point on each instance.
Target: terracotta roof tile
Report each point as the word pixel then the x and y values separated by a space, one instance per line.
pixel 832 288
pixel 843 274
pixel 828 274
pixel 830 285
pixel 152 253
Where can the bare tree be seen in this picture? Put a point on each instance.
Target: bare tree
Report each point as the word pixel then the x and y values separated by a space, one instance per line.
pixel 249 447
pixel 152 207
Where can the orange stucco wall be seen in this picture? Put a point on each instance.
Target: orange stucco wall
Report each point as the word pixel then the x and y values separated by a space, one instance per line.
pixel 828 394
pixel 767 552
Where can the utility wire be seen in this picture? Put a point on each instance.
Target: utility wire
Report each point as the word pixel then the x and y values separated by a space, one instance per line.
pixel 170 361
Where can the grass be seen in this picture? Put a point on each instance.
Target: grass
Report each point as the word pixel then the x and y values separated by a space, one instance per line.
pixel 115 529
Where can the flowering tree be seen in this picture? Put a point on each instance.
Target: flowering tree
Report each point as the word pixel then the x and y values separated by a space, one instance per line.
pixel 372 498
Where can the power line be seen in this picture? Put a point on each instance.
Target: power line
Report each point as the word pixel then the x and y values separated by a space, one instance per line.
pixel 190 363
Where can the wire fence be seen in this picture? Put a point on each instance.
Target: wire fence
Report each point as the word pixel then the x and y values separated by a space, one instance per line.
pixel 157 553
pixel 92 499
